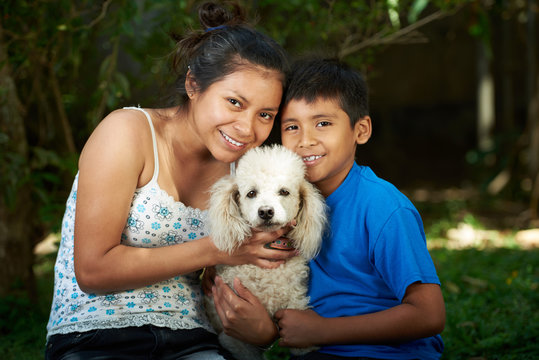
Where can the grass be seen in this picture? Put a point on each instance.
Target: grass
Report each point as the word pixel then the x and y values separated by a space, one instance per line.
pixel 491 295
pixel 492 302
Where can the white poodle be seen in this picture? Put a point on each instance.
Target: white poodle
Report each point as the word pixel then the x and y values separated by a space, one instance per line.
pixel 268 191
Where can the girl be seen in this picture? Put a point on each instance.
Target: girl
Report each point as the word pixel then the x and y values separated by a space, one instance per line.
pixel 134 235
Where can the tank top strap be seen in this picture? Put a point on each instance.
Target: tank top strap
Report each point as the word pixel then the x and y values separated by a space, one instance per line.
pixel 233 168
pixel 154 141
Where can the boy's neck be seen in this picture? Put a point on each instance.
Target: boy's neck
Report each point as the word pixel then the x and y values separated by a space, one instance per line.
pixel 329 185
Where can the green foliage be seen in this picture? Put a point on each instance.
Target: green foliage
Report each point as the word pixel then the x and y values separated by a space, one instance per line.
pixel 73 62
pixel 23 319
pixel 353 30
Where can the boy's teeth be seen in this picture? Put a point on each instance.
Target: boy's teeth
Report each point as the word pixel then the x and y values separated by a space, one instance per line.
pixel 230 140
pixel 311 158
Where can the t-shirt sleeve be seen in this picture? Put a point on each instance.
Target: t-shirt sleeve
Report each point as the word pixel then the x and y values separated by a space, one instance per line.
pixel 400 252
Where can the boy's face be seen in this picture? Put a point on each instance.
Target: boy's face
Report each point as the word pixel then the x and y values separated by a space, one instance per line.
pixel 321 133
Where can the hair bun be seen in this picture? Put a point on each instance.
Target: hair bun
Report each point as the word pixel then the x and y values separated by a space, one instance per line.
pixel 211 14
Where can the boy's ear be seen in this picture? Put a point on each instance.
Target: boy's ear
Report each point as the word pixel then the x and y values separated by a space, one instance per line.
pixel 363 130
pixel 190 84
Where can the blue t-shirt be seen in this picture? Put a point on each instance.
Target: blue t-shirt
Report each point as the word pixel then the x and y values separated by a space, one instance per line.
pixel 375 249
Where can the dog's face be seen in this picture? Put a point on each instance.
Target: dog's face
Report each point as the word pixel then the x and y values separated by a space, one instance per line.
pixel 268 191
pixel 268 184
pixel 268 204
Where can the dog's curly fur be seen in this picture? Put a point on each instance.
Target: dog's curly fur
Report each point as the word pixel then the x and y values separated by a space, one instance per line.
pixel 268 191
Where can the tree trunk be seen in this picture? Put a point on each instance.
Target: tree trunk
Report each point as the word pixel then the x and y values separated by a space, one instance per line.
pixel 533 109
pixel 16 211
pixel 485 99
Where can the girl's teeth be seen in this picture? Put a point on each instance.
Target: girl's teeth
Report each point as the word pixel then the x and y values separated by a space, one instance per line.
pixel 230 140
pixel 311 158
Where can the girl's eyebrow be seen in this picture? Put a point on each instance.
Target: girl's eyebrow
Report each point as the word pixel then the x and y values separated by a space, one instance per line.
pixel 245 101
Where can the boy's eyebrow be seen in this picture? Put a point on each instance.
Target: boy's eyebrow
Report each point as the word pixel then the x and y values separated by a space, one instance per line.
pixel 314 117
pixel 318 116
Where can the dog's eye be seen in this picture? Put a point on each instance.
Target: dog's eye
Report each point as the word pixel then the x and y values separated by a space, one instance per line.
pixel 251 194
pixel 284 192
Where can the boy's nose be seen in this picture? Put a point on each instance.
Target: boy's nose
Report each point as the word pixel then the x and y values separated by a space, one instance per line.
pixel 307 140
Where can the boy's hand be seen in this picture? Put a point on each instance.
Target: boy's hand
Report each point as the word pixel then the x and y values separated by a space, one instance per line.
pixel 298 328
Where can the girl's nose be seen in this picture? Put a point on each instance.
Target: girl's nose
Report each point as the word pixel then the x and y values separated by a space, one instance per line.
pixel 244 125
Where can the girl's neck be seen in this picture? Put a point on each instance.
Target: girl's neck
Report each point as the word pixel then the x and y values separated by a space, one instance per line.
pixel 182 138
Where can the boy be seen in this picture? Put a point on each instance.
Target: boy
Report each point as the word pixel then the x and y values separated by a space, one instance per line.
pixel 374 289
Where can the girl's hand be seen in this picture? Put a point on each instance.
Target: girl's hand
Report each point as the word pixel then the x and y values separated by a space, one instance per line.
pixel 208 278
pixel 253 250
pixel 243 316
pixel 298 328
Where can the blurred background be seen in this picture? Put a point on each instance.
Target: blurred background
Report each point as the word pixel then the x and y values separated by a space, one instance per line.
pixel 455 107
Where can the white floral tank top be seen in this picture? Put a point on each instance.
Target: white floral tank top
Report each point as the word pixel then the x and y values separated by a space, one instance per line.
pixel 154 220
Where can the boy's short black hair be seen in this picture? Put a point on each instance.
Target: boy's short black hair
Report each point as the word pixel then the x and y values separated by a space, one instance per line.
pixel 329 79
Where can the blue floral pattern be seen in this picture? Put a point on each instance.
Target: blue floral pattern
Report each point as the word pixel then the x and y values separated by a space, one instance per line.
pixel 155 220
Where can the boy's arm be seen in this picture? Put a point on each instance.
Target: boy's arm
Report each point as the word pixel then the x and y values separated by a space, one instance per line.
pixel 421 314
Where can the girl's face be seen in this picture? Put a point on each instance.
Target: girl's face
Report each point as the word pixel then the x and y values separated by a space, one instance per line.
pixel 236 113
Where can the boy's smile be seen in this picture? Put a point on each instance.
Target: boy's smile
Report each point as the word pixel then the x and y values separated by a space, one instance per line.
pixel 321 133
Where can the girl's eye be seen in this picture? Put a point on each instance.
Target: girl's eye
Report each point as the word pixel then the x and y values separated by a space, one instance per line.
pixel 234 102
pixel 266 116
pixel 323 123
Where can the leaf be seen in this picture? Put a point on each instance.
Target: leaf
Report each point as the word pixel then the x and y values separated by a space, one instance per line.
pixel 415 10
pixel 476 282
pixel 451 287
pixel 393 12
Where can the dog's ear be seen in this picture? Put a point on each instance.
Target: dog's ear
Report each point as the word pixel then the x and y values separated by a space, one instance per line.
pixel 311 221
pixel 227 227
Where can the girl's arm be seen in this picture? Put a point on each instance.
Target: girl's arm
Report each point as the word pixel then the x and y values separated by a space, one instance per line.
pixel 242 315
pixel 421 314
pixel 109 170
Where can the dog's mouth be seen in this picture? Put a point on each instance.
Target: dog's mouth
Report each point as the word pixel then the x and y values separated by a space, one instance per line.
pixel 268 225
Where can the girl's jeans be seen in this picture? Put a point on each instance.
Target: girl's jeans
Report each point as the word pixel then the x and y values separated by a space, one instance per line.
pixel 133 343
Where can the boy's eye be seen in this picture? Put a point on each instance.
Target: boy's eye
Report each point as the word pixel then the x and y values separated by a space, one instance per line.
pixel 323 123
pixel 291 127
pixel 234 102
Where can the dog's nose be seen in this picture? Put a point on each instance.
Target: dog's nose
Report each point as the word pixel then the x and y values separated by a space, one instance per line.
pixel 265 212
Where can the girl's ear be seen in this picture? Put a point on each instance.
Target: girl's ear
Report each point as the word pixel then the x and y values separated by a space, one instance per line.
pixel 363 130
pixel 190 84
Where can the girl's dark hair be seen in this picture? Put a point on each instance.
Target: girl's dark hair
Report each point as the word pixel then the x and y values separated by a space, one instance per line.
pixel 225 44
pixel 314 78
